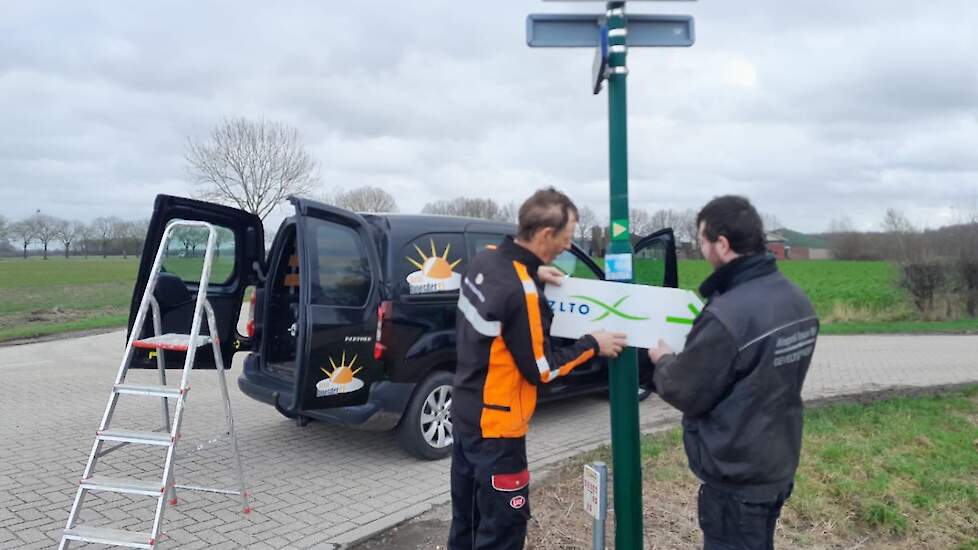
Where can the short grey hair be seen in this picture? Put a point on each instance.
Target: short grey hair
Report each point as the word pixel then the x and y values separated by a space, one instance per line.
pixel 547 207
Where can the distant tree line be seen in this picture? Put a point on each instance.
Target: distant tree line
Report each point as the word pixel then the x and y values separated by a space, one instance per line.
pixel 938 267
pixel 45 234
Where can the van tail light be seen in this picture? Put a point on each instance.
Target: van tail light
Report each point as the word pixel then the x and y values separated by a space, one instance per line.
pixel 384 312
pixel 251 314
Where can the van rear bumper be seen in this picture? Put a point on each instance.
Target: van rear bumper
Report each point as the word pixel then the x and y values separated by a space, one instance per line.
pixel 381 412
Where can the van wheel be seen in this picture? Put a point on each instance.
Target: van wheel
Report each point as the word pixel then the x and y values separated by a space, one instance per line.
pixel 425 430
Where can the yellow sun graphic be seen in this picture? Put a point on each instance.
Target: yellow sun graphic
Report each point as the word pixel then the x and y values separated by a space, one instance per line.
pixel 341 379
pixel 434 266
pixel 342 374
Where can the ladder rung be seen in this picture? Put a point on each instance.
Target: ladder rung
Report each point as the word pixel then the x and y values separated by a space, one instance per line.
pixel 171 342
pixel 147 389
pixel 146 438
pixel 123 485
pixel 102 535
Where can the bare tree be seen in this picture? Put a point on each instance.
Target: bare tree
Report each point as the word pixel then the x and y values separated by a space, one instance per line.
pixel 103 228
pixel 899 228
pixel 24 233
pixel 137 232
pixel 509 212
pixel 486 209
pixel 365 199
pixel 896 222
pixel 251 164
pixel 771 222
pixel 45 230
pixel 68 231
pixel 639 221
pixel 84 237
pixel 190 238
pixel 587 218
pixel 686 228
pixel 4 227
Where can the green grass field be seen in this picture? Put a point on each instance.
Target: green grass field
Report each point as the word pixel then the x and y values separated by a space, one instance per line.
pixel 898 473
pixel 41 297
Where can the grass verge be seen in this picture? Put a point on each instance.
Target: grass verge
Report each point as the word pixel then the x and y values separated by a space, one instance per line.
pixel 897 474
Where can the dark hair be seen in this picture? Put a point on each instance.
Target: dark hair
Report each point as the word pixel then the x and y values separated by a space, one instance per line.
pixel 545 208
pixel 736 219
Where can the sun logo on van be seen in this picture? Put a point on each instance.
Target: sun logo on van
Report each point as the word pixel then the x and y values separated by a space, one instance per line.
pixel 341 379
pixel 436 273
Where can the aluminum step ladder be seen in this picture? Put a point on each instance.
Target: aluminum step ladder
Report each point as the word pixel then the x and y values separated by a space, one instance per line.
pixel 164 488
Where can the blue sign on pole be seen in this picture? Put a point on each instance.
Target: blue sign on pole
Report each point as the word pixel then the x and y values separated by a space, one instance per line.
pixel 599 71
pixel 549 30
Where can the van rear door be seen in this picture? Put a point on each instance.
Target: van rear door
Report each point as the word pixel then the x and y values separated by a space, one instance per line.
pixel 340 293
pixel 240 253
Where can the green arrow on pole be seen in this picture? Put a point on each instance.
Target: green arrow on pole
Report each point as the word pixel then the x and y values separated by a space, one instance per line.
pixel 623 374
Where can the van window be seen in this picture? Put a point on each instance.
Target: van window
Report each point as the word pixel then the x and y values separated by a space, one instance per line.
pixel 343 275
pixel 482 241
pixel 184 255
pixel 432 264
pixel 573 266
pixel 649 264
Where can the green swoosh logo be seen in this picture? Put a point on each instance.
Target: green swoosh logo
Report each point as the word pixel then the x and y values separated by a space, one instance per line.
pixel 682 320
pixel 610 310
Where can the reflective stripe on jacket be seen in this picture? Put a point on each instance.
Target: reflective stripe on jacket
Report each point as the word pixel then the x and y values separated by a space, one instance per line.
pixel 504 347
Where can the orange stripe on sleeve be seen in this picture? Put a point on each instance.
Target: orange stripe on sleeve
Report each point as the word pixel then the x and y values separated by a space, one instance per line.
pixel 569 366
pixel 533 311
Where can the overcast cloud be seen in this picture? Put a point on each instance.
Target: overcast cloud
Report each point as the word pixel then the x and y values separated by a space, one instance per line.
pixel 813 109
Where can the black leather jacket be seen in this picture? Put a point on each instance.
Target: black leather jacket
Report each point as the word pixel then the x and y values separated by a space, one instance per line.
pixel 738 381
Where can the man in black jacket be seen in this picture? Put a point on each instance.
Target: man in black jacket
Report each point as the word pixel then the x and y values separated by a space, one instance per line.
pixel 738 380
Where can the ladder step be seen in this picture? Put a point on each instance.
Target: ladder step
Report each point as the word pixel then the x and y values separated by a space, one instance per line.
pixel 117 537
pixel 148 389
pixel 171 342
pixel 146 438
pixel 124 485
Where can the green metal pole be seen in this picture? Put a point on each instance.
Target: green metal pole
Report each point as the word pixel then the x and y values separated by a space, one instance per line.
pixel 623 374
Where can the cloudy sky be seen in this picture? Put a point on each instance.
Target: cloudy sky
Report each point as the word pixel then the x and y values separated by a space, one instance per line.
pixel 813 109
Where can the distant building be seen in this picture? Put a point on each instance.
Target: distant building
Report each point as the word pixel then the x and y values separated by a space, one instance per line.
pixel 777 245
pixel 786 244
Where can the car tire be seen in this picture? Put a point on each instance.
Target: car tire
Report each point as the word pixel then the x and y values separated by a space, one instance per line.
pixel 425 430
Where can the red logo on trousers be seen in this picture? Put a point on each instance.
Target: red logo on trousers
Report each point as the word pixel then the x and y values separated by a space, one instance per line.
pixel 517 502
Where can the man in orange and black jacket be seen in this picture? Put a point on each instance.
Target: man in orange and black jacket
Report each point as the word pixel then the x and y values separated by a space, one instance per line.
pixel 504 353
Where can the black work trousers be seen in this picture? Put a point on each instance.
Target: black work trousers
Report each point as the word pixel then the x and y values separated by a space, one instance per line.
pixel 490 493
pixel 731 522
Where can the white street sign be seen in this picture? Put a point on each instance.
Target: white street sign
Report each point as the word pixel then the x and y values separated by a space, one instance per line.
pixel 592 492
pixel 645 313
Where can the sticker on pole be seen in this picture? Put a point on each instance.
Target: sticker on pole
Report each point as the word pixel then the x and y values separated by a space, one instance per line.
pixel 644 313
pixel 618 267
pixel 592 491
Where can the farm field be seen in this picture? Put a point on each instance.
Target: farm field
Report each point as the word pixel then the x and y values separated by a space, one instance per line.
pixel 43 297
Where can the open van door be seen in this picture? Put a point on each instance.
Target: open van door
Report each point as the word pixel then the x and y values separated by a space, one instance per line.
pixel 340 302
pixel 237 261
pixel 654 264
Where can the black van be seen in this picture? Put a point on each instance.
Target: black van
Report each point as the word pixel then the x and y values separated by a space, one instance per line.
pixel 353 315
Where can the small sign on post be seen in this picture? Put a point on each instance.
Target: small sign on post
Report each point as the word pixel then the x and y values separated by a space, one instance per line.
pixel 596 500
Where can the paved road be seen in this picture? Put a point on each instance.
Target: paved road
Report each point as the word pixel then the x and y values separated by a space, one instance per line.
pixel 319 485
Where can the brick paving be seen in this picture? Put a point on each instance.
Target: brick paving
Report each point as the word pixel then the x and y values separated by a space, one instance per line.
pixel 319 486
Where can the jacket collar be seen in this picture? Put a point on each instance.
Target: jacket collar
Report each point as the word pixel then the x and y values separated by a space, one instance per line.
pixel 513 251
pixel 738 272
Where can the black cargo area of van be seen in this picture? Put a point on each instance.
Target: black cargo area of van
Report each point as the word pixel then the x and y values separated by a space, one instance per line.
pixel 282 306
